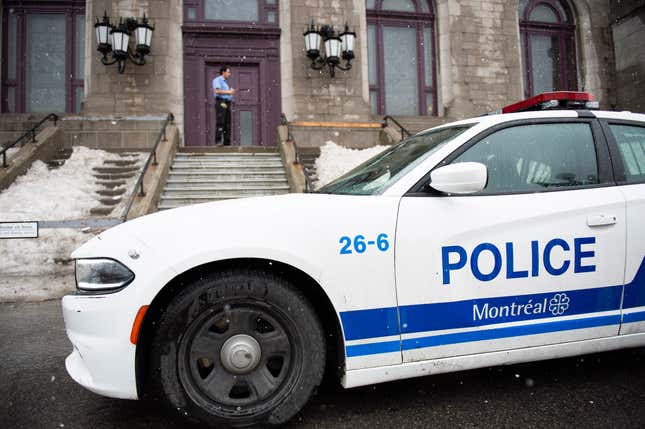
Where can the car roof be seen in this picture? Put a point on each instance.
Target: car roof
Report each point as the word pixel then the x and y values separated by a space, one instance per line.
pixel 541 114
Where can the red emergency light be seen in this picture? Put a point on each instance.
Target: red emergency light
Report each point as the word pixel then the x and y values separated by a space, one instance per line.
pixel 552 101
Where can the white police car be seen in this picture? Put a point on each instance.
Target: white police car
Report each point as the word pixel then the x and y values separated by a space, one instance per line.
pixel 494 240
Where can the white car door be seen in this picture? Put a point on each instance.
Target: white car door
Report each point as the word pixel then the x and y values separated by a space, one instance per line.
pixel 627 142
pixel 535 258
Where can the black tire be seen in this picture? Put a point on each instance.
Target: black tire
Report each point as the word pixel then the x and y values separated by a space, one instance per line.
pixel 242 348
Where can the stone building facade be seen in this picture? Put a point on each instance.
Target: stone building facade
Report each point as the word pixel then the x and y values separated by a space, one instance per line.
pixel 445 59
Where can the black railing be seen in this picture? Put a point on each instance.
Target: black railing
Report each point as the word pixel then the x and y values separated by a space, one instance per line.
pixel 404 131
pixel 152 157
pixel 31 132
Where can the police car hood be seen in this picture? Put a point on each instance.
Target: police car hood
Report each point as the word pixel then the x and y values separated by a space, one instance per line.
pixel 299 229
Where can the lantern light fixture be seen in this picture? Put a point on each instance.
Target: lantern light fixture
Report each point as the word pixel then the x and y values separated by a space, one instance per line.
pixel 335 47
pixel 115 39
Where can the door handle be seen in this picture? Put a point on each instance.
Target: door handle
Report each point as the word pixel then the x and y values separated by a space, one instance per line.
pixel 601 220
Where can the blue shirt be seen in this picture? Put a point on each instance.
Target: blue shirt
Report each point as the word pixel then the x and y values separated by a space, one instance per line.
pixel 220 83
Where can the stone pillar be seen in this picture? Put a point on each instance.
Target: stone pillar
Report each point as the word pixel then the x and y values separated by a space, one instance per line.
pixel 595 53
pixel 628 31
pixel 310 95
pixel 154 88
pixel 478 56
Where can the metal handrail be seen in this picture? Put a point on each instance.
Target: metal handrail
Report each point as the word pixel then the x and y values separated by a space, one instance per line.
pixel 151 157
pixel 401 127
pixel 32 132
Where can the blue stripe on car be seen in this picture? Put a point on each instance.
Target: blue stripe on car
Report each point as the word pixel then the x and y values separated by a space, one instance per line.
pixel 382 322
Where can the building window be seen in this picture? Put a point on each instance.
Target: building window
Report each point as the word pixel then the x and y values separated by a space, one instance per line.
pixel 43 58
pixel 401 55
pixel 547 30
pixel 232 12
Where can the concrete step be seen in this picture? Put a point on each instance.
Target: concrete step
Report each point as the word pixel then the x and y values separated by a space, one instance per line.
pixel 215 187
pixel 115 170
pixel 227 154
pixel 113 176
pixel 225 179
pixel 227 171
pixel 176 166
pixel 224 193
pixel 110 183
pixel 120 162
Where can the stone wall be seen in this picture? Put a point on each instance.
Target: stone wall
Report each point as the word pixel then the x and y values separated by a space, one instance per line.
pixel 111 133
pixel 628 30
pixel 157 86
pixel 478 56
pixel 313 95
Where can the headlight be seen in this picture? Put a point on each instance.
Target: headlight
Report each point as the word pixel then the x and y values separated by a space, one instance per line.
pixel 102 275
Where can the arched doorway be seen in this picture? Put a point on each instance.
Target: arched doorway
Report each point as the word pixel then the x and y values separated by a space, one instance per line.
pixel 243 34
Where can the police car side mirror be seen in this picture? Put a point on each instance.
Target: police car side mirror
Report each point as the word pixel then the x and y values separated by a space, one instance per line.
pixel 459 178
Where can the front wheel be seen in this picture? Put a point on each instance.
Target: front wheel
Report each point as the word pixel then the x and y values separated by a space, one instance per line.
pixel 239 349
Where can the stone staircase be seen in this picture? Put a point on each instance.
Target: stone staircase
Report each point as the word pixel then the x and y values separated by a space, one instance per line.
pixel 199 176
pixel 59 159
pixel 112 177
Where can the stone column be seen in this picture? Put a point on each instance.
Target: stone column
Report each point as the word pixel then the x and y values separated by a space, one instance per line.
pixel 628 31
pixel 154 88
pixel 478 56
pixel 311 95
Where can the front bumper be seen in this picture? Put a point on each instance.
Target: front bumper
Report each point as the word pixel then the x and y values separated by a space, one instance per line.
pixel 103 358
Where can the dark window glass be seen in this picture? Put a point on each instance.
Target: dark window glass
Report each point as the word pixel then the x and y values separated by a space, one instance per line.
pixel 228 10
pixel 232 12
pixel 533 158
pixel 400 39
pixel 43 48
pixel 631 145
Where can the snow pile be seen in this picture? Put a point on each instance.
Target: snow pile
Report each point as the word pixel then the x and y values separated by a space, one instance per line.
pixel 40 268
pixel 335 160
pixel 68 192
pixel 10 153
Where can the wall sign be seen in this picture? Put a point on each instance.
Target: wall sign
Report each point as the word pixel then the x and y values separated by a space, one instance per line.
pixel 18 230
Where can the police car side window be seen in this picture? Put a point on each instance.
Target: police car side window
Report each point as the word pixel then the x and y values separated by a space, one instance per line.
pixel 536 157
pixel 631 145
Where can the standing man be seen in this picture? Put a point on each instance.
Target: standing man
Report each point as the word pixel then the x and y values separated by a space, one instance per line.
pixel 223 97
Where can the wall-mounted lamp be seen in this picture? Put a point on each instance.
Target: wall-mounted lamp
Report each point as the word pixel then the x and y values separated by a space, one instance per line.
pixel 116 39
pixel 336 46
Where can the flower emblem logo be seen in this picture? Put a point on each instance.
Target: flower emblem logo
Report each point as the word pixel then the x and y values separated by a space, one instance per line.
pixel 559 304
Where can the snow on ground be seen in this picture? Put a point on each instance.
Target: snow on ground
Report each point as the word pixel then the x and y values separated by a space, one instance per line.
pixel 10 153
pixel 40 268
pixel 335 160
pixel 68 192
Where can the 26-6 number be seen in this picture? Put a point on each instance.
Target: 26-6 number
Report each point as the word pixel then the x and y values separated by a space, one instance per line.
pixel 360 244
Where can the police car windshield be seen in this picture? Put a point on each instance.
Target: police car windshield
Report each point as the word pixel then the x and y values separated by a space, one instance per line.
pixel 377 174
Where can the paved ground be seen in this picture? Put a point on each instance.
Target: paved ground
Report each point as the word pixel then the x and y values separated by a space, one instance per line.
pixel 597 391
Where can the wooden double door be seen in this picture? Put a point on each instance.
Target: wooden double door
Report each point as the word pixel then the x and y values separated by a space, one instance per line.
pixel 254 59
pixel 245 108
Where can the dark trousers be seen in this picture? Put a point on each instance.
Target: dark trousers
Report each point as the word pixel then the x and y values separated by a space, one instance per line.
pixel 223 118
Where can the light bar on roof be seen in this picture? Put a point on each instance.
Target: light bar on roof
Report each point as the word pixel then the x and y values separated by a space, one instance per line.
pixel 560 100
